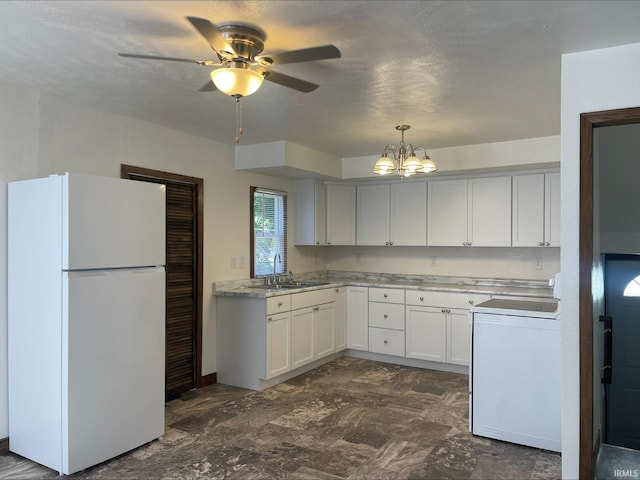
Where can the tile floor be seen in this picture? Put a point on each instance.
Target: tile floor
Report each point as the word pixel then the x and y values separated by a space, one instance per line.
pixel 349 419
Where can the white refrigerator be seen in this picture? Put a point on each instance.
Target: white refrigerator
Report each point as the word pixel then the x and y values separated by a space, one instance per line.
pixel 86 308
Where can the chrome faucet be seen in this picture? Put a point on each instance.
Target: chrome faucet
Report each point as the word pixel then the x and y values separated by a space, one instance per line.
pixel 276 256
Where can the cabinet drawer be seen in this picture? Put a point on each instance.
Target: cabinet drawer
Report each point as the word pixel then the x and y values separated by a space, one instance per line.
pixel 312 298
pixel 281 303
pixel 386 315
pixel 388 295
pixel 383 340
pixel 445 299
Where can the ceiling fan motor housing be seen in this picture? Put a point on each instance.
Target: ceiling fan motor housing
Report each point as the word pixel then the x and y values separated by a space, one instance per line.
pixel 246 42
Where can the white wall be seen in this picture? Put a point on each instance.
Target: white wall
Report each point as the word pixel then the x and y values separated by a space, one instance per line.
pixel 479 262
pixel 591 81
pixel 42 135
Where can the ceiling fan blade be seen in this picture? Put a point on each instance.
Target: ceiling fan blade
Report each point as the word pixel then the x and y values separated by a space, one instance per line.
pixel 212 35
pixel 303 55
pixel 171 59
pixel 208 87
pixel 287 81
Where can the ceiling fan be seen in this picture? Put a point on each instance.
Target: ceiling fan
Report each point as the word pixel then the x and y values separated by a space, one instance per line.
pixel 241 67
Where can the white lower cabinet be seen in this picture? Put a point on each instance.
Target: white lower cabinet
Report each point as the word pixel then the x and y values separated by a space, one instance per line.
pixel 278 341
pixel 387 341
pixel 426 333
pixel 437 333
pixel 301 337
pixel 340 319
pixel 458 336
pixel 324 340
pixel 357 318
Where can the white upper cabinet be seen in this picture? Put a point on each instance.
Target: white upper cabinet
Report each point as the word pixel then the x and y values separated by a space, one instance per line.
pixel 372 214
pixel 310 227
pixel 447 213
pixel 341 215
pixel 392 214
pixel 552 210
pixel 536 210
pixel 408 213
pixel 490 212
pixel 470 212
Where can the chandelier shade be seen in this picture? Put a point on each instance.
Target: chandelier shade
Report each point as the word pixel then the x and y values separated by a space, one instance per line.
pixel 237 81
pixel 403 160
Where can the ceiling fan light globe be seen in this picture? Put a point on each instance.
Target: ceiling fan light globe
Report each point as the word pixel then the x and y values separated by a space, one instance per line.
pixel 236 81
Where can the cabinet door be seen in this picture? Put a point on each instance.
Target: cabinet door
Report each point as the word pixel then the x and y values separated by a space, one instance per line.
pixel 527 222
pixel 408 221
pixel 490 212
pixel 447 213
pixel 301 337
pixel 552 210
pixel 323 330
pixel 458 336
pixel 278 344
pixel 357 318
pixel 341 215
pixel 372 215
pixel 426 333
pixel 310 207
pixel 340 319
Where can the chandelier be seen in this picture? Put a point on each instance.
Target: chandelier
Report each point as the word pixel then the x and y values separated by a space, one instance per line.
pixel 403 161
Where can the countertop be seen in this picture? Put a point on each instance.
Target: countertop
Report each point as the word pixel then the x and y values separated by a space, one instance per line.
pixel 334 279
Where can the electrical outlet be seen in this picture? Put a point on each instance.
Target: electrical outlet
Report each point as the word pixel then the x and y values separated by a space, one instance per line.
pixel 234 263
pixel 538 264
pixel 242 262
pixel 358 258
pixel 433 261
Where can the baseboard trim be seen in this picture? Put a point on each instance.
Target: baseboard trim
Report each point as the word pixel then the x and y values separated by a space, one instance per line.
pixel 4 446
pixel 205 380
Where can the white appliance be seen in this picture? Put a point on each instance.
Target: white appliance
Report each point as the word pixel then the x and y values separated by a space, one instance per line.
pixel 515 376
pixel 86 307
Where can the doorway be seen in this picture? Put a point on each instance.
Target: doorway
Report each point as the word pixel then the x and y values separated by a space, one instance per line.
pixel 588 270
pixel 183 354
pixel 622 393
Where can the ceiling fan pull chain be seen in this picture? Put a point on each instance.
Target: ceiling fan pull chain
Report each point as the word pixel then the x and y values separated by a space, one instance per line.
pixel 238 118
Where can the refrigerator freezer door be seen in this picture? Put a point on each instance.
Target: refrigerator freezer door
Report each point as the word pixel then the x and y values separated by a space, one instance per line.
pixel 113 363
pixel 112 223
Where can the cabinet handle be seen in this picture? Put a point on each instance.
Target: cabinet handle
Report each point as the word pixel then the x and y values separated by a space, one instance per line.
pixel 329 243
pixel 390 243
pixel 541 244
pixel 337 290
pixel 442 310
pixel 315 309
pixel 470 302
pixel 422 299
pixel 317 243
pixel 386 341
pixel 547 244
pixel 279 304
pixel 385 295
pixel 448 311
pixel 386 316
pixel 270 319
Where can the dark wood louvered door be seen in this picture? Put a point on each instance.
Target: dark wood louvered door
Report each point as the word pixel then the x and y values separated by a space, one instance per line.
pixel 183 277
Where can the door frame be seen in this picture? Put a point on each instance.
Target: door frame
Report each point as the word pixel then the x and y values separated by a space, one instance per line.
pixel 588 122
pixel 125 170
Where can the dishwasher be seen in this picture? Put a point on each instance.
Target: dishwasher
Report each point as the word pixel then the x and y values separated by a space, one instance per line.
pixel 515 372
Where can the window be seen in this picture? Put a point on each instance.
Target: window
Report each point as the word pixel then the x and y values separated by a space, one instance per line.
pixel 633 288
pixel 268 232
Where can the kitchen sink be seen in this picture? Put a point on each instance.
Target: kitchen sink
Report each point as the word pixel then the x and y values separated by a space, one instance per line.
pixel 290 285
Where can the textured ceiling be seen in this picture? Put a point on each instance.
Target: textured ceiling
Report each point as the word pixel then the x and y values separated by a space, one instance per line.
pixel 459 72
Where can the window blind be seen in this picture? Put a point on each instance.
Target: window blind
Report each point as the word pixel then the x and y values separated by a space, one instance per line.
pixel 269 231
